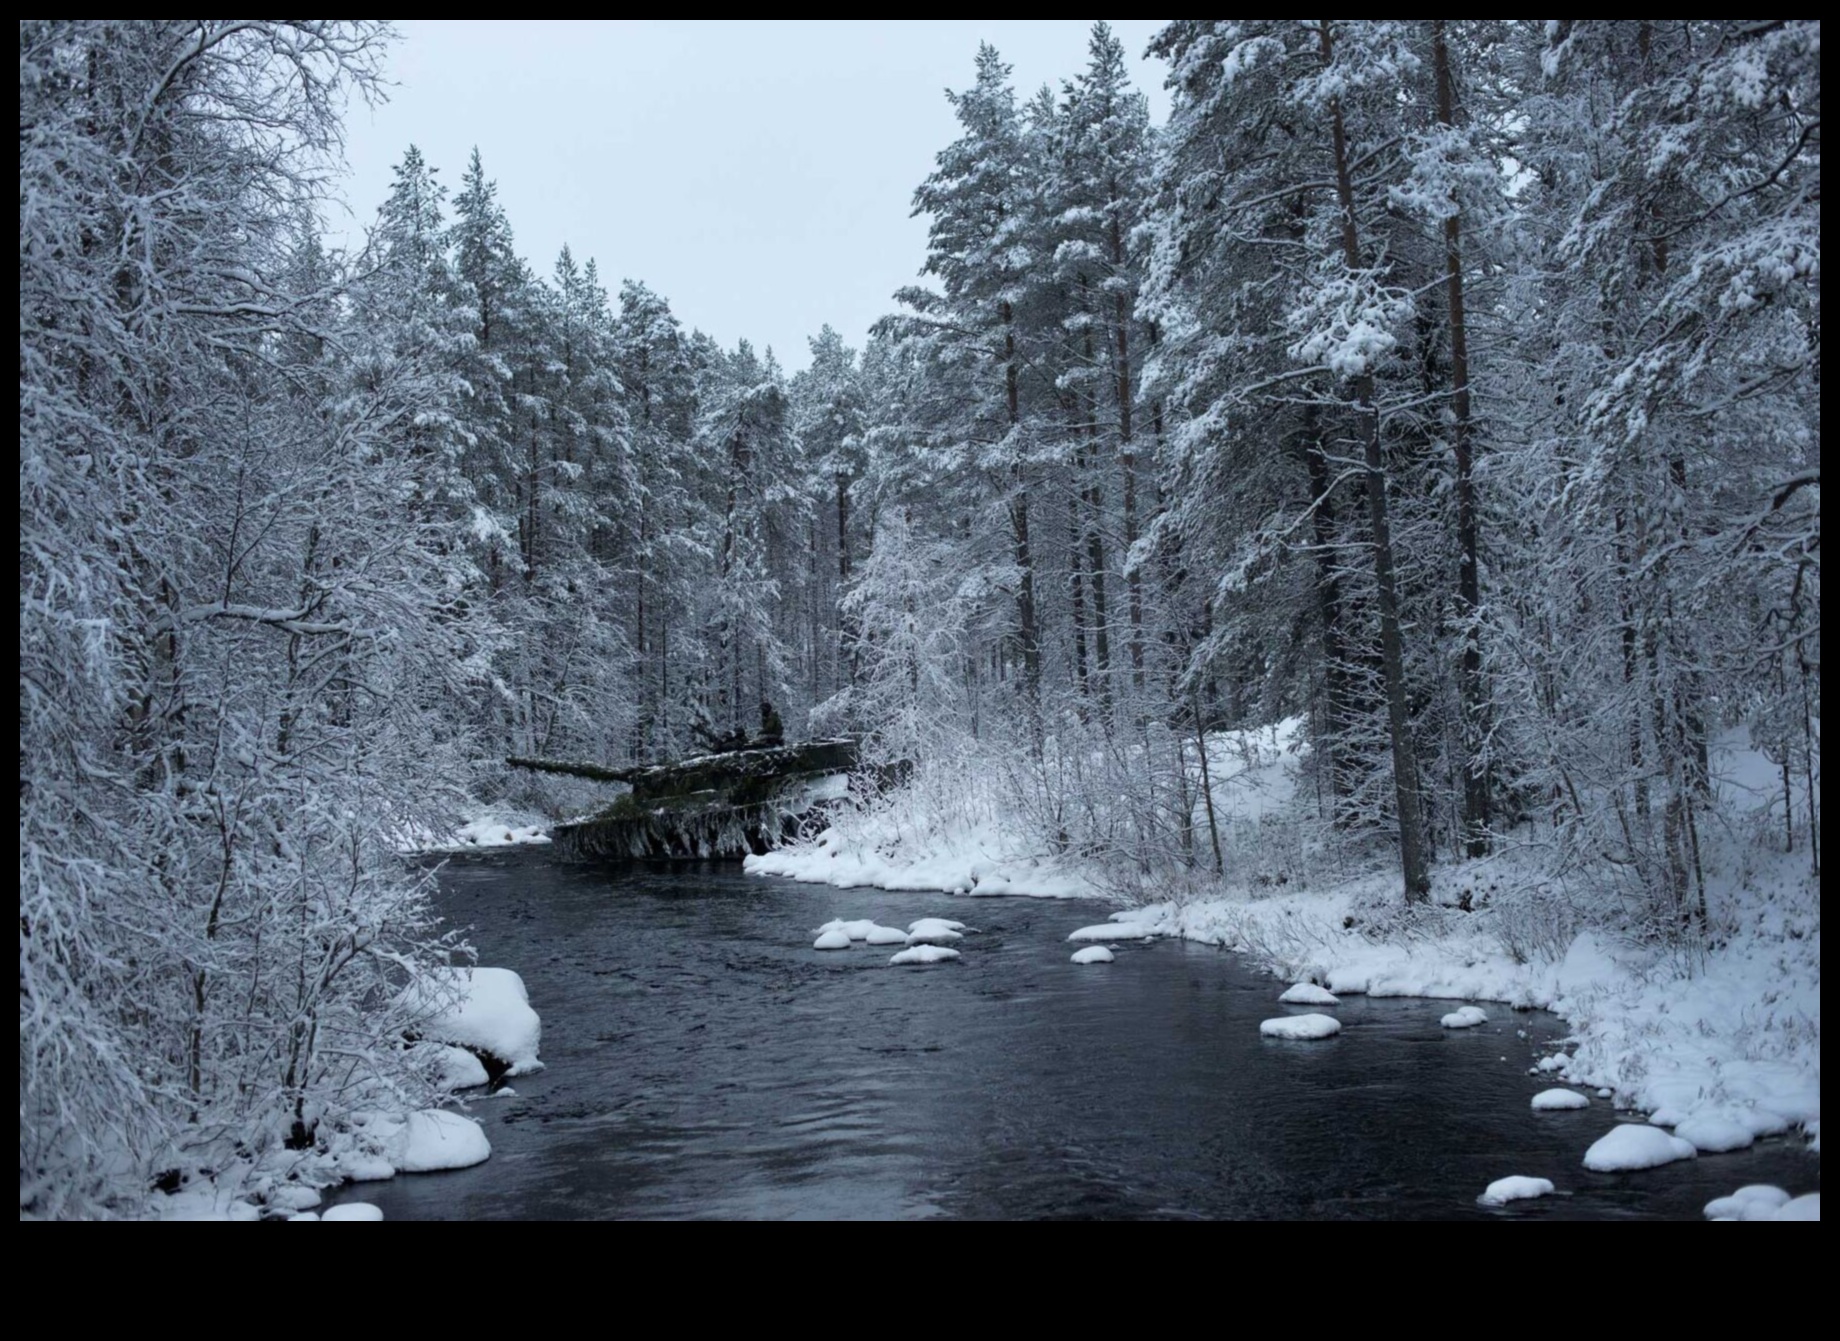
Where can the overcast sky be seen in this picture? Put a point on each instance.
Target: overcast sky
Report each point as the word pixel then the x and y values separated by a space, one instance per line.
pixel 759 175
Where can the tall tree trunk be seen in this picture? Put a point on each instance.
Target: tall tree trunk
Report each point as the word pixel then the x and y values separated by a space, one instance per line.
pixel 846 642
pixel 1095 545
pixel 1472 697
pixel 1076 588
pixel 1330 730
pixel 1412 856
pixel 1029 629
pixel 1127 448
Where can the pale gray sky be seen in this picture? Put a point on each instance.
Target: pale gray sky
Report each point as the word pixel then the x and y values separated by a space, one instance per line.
pixel 759 174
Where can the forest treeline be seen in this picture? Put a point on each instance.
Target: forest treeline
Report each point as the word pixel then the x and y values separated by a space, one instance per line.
pixel 1452 384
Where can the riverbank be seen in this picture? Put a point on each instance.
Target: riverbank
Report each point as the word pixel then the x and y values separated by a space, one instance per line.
pixel 1716 1035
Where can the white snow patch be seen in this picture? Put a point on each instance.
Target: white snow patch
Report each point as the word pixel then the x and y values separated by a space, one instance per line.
pixel 857 929
pixel 1112 931
pixel 1804 1207
pixel 353 1210
pixel 1308 994
pixel 434 1139
pixel 1636 1145
pixel 1301 1027
pixel 1465 1017
pixel 1093 954
pixel 1550 1101
pixel 485 1009
pixel 1754 1201
pixel 292 1197
pixel 495 829
pixel 1715 1132
pixel 455 1068
pixel 935 931
pixel 1517 1188
pixel 924 954
pixel 832 940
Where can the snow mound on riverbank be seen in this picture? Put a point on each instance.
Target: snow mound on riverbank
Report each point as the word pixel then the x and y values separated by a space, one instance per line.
pixel 353 1211
pixel 454 1068
pixel 1636 1145
pixel 834 939
pixel 1093 954
pixel 486 1010
pixel 1112 931
pixel 1516 1188
pixel 925 954
pixel 1714 1133
pixel 435 1139
pixel 1804 1207
pixel 1755 1201
pixel 1554 1101
pixel 1465 1017
pixel 1308 994
pixel 1301 1027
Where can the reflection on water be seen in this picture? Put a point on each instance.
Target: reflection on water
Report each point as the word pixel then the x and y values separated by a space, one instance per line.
pixel 705 1062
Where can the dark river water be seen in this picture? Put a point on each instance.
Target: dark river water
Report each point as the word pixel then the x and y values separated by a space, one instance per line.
pixel 705 1062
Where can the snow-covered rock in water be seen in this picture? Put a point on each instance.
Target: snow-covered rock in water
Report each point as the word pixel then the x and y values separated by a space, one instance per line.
pixel 945 922
pixel 1301 1026
pixel 1715 1132
pixel 1548 1101
pixel 1805 1207
pixel 935 931
pixel 833 940
pixel 886 936
pixel 1112 931
pixel 434 1139
pixel 1093 954
pixel 1755 1201
pixel 354 1210
pixel 1636 1145
pixel 1308 994
pixel 924 954
pixel 485 1010
pixel 454 1068
pixel 857 929
pixel 1518 1188
pixel 1465 1017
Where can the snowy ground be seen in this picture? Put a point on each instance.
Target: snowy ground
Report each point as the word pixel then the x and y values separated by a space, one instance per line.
pixel 1719 1041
